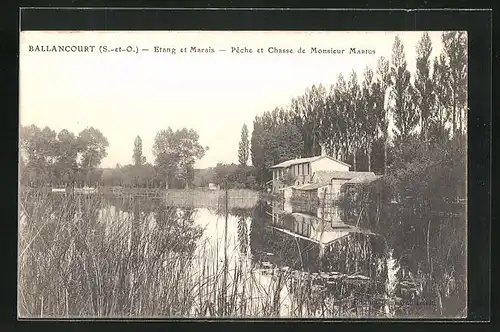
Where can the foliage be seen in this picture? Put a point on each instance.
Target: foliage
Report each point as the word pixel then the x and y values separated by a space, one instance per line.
pixel 405 116
pixel 243 148
pixel 84 260
pixel 231 176
pixel 424 90
pixel 274 139
pixel 93 145
pixel 176 153
pixel 419 208
pixel 307 112
pixel 454 62
pixel 355 117
pixel 351 118
pixel 61 158
pixel 419 204
pixel 66 161
pixel 138 157
pixel 202 177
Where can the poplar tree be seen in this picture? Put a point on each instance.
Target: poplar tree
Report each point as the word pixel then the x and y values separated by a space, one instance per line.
pixel 455 52
pixel 138 158
pixel 355 116
pixel 423 84
pixel 441 97
pixel 370 117
pixel 405 117
pixel 343 121
pixel 383 81
pixel 244 148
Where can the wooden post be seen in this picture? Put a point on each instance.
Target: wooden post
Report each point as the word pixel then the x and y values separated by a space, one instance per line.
pixel 385 158
pixel 224 299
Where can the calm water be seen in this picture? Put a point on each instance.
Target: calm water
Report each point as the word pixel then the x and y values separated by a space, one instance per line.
pixel 361 268
pixel 274 259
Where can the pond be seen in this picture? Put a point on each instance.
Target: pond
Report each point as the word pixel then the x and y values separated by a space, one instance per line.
pixel 107 256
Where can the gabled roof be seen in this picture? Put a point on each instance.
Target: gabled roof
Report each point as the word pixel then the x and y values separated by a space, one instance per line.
pixel 292 162
pixel 328 175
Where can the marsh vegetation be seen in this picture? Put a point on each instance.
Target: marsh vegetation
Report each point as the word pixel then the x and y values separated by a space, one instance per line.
pixel 107 256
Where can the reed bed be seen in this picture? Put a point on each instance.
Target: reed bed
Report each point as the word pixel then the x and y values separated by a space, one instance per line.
pixel 79 258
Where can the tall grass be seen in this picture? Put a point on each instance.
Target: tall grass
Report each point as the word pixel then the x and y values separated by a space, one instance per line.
pixel 80 257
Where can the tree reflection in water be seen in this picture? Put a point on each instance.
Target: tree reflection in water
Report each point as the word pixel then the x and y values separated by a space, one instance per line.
pixel 342 276
pixel 115 256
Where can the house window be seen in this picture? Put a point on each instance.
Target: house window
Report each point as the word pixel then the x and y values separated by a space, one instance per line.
pixel 303 173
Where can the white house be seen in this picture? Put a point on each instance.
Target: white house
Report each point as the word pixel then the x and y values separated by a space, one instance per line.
pixel 301 170
pixel 320 176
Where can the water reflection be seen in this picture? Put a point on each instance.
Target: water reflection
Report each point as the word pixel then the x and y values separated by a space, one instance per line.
pixel 273 259
pixel 315 266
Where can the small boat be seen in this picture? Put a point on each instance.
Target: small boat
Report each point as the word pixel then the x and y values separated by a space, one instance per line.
pixel 58 190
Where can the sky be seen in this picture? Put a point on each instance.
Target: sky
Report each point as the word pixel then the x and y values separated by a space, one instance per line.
pixel 129 94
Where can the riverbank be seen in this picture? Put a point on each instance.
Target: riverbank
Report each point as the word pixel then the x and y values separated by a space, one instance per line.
pixel 196 197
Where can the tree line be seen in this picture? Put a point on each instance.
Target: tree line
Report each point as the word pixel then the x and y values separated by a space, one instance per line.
pixel 351 117
pixel 65 159
pixel 60 158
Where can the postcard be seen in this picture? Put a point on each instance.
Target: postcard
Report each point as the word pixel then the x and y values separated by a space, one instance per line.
pixel 242 174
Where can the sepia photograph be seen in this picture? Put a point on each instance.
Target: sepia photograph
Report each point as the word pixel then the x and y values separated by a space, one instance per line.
pixel 242 174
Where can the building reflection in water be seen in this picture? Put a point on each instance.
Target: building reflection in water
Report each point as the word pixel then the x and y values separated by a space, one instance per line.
pixel 342 262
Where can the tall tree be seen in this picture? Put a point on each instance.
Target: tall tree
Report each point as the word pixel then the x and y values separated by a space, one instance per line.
pixel 370 117
pixel 405 116
pixel 329 135
pixel 93 146
pixel 39 146
pixel 66 165
pixel 355 116
pixel 381 86
pixel 176 153
pixel 92 149
pixel 455 51
pixel 423 84
pixel 319 99
pixel 289 143
pixel 257 149
pixel 441 98
pixel 343 121
pixel 138 158
pixel 307 113
pixel 244 148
